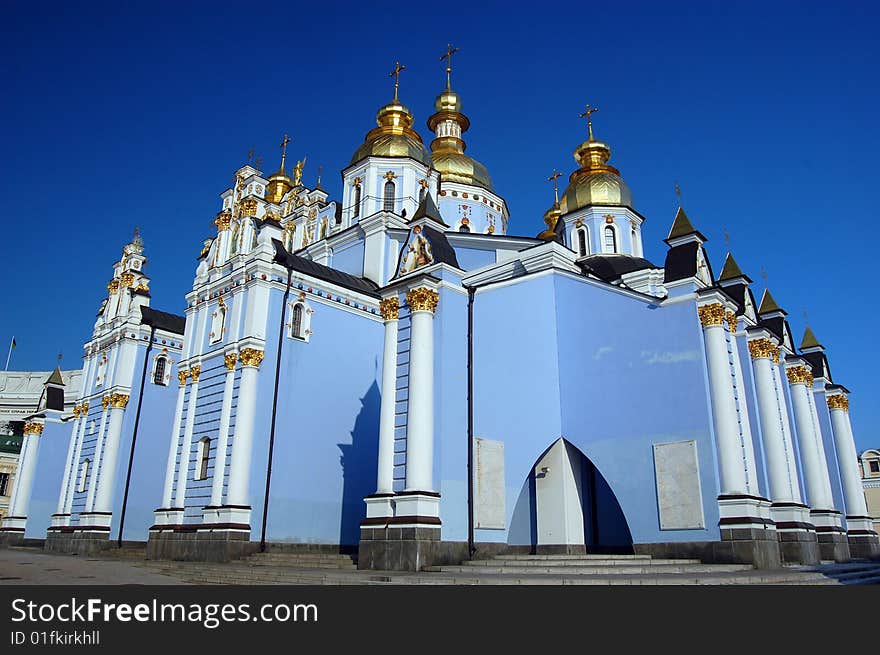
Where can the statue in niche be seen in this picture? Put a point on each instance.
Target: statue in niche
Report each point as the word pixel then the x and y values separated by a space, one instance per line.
pixel 418 252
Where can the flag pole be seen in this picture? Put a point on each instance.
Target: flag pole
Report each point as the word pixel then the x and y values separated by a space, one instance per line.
pixel 9 354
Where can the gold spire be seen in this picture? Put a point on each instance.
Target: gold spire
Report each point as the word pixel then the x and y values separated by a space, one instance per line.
pixel 284 143
pixel 556 175
pixel 398 69
pixel 588 114
pixel 450 50
pixel 279 184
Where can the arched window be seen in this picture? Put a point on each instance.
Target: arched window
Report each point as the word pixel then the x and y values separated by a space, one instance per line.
pixel 610 239
pixel 159 371
pixel 297 322
pixel 84 474
pixel 389 196
pixel 204 456
pixel 357 202
pixel 583 248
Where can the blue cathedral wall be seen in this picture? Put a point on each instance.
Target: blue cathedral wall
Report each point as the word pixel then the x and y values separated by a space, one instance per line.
pixel 48 473
pixel 559 357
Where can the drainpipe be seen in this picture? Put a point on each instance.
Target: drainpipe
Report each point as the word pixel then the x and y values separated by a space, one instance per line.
pixel 470 428
pixel 134 434
pixel 274 410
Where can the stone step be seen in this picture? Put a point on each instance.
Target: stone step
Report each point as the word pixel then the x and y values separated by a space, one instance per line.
pixel 599 570
pixel 566 557
pixel 576 561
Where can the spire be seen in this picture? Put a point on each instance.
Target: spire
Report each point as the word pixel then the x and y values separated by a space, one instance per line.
pixel 55 377
pixel 731 270
pixel 551 216
pixel 681 225
pixel 280 183
pixel 398 69
pixel 284 143
pixel 809 340
pixel 768 304
pixel 428 209
pixel 588 114
pixel 450 50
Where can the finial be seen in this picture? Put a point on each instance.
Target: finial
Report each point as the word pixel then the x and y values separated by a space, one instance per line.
pixel 806 318
pixel 678 192
pixel 250 154
pixel 60 357
pixel 258 162
pixel 318 184
pixel 284 143
pixel 450 50
pixel 396 75
pixel 764 275
pixel 556 175
pixel 588 114
pixel 727 239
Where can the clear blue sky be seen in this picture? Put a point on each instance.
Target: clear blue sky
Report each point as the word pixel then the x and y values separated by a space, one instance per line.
pixel 766 113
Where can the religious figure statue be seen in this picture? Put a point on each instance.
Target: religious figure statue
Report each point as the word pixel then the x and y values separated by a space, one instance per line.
pixel 418 253
pixel 298 172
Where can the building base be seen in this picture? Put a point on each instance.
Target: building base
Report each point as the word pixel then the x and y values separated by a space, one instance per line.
pixel 760 548
pixel 833 544
pixel 11 537
pixel 190 543
pixel 864 546
pixel 405 548
pixel 72 541
pixel 798 543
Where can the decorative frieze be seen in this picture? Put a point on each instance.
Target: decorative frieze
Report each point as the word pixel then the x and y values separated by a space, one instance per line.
pixel 838 401
pixel 711 315
pixel 390 308
pixel 799 375
pixel 229 360
pixel 251 357
pixel 422 299
pixel 32 427
pixel 195 372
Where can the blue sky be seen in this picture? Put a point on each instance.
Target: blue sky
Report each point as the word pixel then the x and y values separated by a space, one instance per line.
pixel 765 113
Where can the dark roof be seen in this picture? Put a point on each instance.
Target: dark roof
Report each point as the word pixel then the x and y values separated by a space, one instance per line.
pixel 737 293
pixel 818 362
pixel 681 262
pixel 776 325
pixel 321 272
pixel 163 320
pixel 769 304
pixel 809 340
pixel 440 248
pixel 731 270
pixel 613 267
pixel 428 209
pixel 682 226
pixel 55 378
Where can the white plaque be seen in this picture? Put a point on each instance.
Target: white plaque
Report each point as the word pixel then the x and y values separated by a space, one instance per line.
pixel 489 496
pixel 679 499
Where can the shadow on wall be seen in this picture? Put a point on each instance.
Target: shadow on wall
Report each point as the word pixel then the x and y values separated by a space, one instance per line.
pixel 358 462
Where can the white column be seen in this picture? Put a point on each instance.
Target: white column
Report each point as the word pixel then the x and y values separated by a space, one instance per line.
pixel 183 467
pixel 25 474
pixel 420 418
pixel 823 456
pixel 727 436
pixel 385 474
pixel 746 440
pixel 853 492
pixel 68 462
pixel 223 434
pixel 110 456
pixel 763 351
pixel 168 488
pixel 96 458
pixel 74 465
pixel 801 381
pixel 243 437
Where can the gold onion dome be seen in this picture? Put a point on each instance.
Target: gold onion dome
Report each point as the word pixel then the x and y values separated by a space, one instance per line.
pixel 394 136
pixel 279 182
pixel 595 182
pixel 552 215
pixel 447 150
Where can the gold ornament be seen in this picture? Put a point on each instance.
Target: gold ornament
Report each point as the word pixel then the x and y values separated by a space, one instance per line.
pixel 249 207
pixel 838 402
pixel 126 280
pixel 711 315
pixel 762 348
pixel 422 299
pixel 76 411
pixel 84 408
pixel 105 402
pixel 731 321
pixel 195 372
pixel 33 428
pixel 113 286
pixel 181 377
pixel 223 220
pixel 390 308
pixel 118 400
pixel 799 375
pixel 229 360
pixel 251 357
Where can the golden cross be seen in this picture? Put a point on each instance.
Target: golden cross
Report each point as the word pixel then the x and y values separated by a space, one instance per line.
pixel 450 50
pixel 284 143
pixel 396 75
pixel 556 175
pixel 678 193
pixel 588 114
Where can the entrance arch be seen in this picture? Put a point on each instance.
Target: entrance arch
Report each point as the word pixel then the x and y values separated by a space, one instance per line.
pixel 573 509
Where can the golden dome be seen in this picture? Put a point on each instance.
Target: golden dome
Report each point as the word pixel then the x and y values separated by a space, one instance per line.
pixel 278 186
pixel 447 150
pixel 551 217
pixel 595 182
pixel 394 136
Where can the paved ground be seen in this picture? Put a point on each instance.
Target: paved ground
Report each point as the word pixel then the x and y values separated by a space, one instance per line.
pixel 30 566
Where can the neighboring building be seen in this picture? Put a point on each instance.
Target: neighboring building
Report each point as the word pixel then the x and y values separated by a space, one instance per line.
pixel 870 469
pixel 394 372
pixel 10 447
pixel 20 392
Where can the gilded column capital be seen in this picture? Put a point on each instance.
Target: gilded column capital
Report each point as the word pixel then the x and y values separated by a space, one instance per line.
pixel 390 308
pixel 251 357
pixel 731 321
pixel 799 375
pixel 223 220
pixel 711 315
pixel 76 411
pixel 775 354
pixel 84 408
pixel 422 299
pixel 229 360
pixel 762 349
pixel 195 372
pixel 181 377
pixel 248 207
pixel 126 280
pixel 118 400
pixel 105 402
pixel 32 427
pixel 113 286
pixel 838 401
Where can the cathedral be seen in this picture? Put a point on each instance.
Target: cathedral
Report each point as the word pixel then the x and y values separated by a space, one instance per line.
pixel 392 373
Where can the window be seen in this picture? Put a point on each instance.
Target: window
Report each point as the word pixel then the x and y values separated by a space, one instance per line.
pixel 389 196
pixel 464 228
pixel 610 239
pixel 296 321
pixel 583 249
pixel 159 371
pixel 357 201
pixel 203 457
pixel 4 483
pixel 874 464
pixel 84 474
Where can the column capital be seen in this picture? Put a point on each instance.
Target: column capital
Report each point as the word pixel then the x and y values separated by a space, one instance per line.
pixel 195 372
pixel 105 402
pixel 229 360
pixel 118 400
pixel 711 315
pixel 422 299
pixel 251 357
pixel 181 377
pixel 390 308
pixel 731 320
pixel 223 220
pixel 838 401
pixel 84 408
pixel 799 375
pixel 763 349
pixel 33 427
pixel 76 411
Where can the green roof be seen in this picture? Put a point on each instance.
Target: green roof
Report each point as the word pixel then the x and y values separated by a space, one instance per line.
pixel 809 340
pixel 731 269
pixel 681 225
pixel 768 304
pixel 55 378
pixel 10 443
